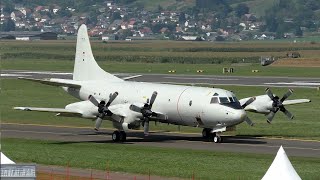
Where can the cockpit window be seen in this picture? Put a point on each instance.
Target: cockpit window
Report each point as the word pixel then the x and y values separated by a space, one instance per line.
pixel 235 99
pixel 214 100
pixel 231 99
pixel 224 100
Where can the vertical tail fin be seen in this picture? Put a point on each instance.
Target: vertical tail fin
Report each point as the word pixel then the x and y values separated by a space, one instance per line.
pixel 85 66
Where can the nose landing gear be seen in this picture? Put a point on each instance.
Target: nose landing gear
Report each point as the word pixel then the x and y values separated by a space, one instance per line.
pixel 215 136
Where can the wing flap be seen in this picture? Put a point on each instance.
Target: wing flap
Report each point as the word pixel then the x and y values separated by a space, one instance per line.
pixel 54 82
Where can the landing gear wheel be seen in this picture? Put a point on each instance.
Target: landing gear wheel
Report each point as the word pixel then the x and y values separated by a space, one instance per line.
pixel 206 133
pixel 123 136
pixel 116 136
pixel 217 138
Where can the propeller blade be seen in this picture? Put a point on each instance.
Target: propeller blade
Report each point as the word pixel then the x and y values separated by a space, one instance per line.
pixel 248 121
pixel 93 100
pixel 146 127
pixel 287 113
pixel 98 124
pixel 135 108
pixel 269 93
pixel 270 116
pixel 113 96
pixel 249 101
pixel 153 98
pixel 286 95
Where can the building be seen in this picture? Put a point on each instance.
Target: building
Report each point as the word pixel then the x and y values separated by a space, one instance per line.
pixel 29 35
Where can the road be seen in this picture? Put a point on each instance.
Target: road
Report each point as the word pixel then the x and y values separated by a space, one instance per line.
pixel 186 79
pixel 160 139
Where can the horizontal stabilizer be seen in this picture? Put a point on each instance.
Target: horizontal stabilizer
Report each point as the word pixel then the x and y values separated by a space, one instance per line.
pixel 60 111
pixel 296 101
pixel 54 82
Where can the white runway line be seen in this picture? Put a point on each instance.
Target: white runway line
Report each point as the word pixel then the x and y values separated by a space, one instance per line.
pixel 296 83
pixel 43 72
pixel 195 78
pixel 13 75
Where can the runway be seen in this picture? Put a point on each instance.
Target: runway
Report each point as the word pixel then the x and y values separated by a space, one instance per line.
pixel 185 79
pixel 160 139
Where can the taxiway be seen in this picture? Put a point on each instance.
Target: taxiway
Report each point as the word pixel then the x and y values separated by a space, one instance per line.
pixel 302 148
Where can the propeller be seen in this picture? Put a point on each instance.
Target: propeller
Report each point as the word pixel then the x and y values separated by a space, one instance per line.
pixel 146 111
pixel 248 121
pixel 249 101
pixel 277 105
pixel 102 108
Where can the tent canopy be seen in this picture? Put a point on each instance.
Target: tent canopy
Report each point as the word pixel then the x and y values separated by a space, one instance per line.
pixel 5 159
pixel 281 168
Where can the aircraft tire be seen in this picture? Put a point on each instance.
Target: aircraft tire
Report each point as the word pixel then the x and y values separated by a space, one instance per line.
pixel 217 139
pixel 116 136
pixel 123 136
pixel 206 133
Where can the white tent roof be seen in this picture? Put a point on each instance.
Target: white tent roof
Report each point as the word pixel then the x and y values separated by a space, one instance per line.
pixel 5 160
pixel 281 168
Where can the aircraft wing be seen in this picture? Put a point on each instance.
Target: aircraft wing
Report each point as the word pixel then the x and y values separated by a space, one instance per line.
pixel 59 111
pixel 295 101
pixel 119 110
pixel 54 82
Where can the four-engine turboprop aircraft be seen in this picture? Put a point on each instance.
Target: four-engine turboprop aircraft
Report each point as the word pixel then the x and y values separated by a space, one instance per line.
pixel 132 104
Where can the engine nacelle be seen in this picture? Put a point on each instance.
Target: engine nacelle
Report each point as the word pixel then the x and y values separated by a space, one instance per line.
pixel 133 125
pixel 262 104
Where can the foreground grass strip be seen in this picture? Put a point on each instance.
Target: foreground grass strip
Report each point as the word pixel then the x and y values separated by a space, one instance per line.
pixel 160 161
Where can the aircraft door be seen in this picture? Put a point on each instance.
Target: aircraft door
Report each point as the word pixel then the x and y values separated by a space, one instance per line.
pixel 190 107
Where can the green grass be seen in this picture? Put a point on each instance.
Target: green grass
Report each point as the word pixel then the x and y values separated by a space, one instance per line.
pixel 163 68
pixel 22 93
pixel 160 161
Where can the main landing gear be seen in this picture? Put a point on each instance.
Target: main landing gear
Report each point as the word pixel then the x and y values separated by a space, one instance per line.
pixel 215 137
pixel 119 136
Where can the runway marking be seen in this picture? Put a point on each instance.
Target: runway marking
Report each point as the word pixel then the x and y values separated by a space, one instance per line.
pixel 193 78
pixel 297 83
pixel 172 132
pixel 44 72
pixel 228 84
pixel 12 75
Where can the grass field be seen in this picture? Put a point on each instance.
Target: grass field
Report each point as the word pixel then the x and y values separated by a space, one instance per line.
pixel 161 56
pixel 163 68
pixel 160 161
pixel 21 93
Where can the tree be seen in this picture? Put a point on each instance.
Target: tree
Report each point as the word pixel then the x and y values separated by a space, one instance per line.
pixel 182 17
pixel 298 32
pixel 160 8
pixel 8 25
pixel 125 33
pixel 115 16
pixel 241 10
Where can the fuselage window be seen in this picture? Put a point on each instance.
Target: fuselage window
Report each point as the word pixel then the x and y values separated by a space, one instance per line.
pixel 214 100
pixel 190 103
pixel 224 100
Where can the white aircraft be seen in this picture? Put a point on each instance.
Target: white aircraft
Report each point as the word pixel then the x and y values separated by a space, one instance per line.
pixel 132 104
